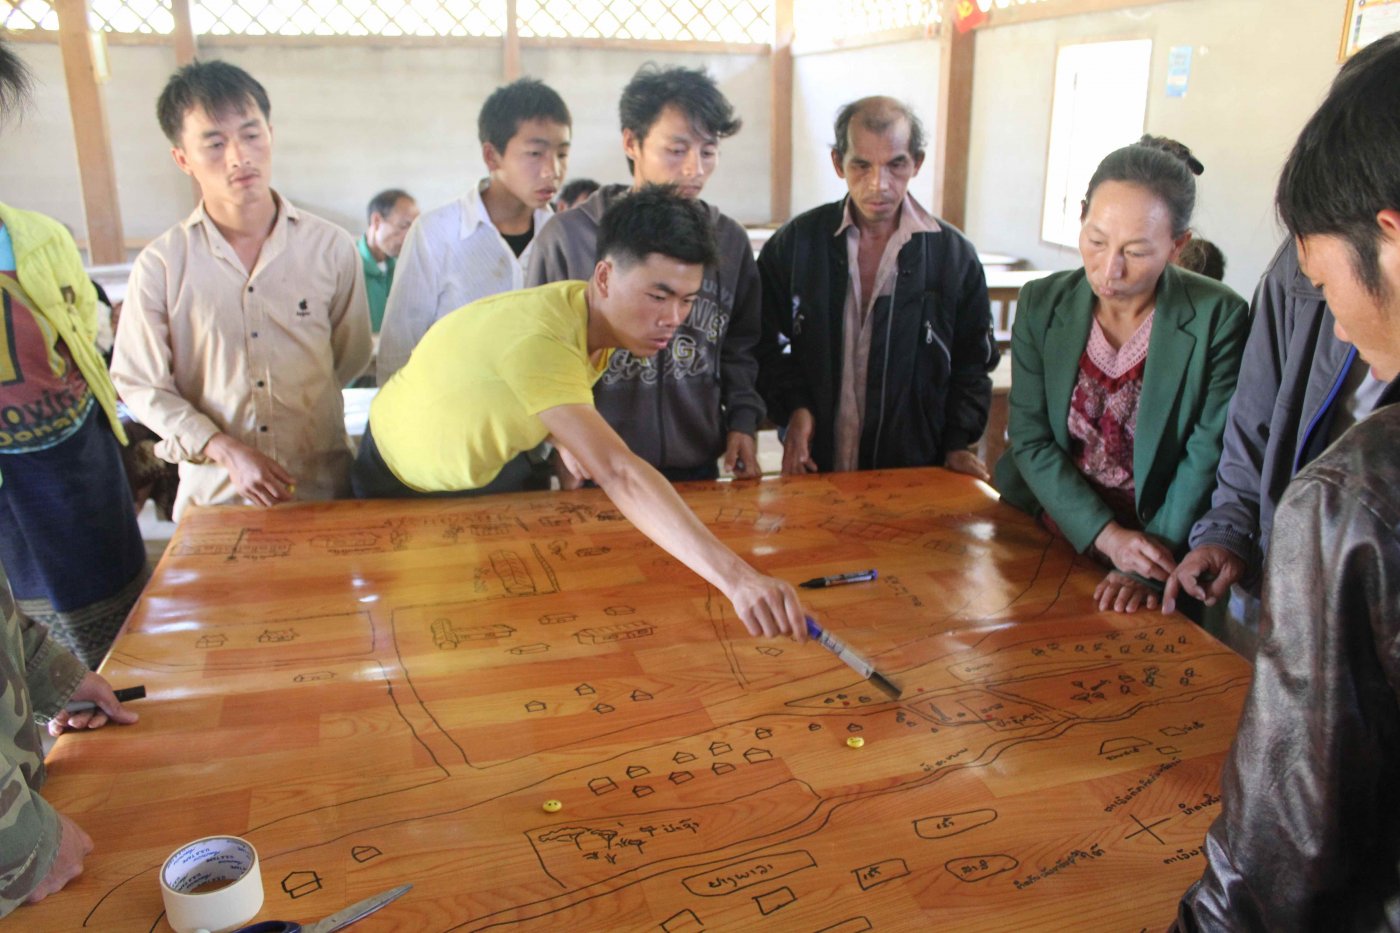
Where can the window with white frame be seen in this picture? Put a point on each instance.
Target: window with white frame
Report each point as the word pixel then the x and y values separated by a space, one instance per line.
pixel 1100 104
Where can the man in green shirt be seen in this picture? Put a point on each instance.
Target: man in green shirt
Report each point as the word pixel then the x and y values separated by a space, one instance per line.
pixel 391 213
pixel 502 374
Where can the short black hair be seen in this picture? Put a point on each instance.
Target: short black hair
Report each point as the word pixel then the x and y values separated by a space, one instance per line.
pixel 512 104
pixel 1345 167
pixel 1163 166
pixel 577 188
pixel 383 203
pixel 218 87
pixel 657 219
pixel 877 114
pixel 690 90
pixel 15 82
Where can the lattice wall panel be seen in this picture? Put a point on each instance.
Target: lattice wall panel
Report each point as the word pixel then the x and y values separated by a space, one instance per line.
pixel 28 14
pixel 740 21
pixel 350 17
pixel 838 19
pixel 148 16
pixel 737 21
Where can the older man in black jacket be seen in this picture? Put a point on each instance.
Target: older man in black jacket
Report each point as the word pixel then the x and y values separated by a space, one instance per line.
pixel 1309 832
pixel 877 333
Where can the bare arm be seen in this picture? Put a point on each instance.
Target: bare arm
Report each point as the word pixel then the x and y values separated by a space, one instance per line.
pixel 767 606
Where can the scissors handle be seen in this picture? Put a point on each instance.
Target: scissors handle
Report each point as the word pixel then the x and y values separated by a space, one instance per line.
pixel 271 926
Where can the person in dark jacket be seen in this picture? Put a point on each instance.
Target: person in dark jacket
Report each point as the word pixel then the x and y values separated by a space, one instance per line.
pixel 1308 836
pixel 1300 388
pixel 697 400
pixel 877 340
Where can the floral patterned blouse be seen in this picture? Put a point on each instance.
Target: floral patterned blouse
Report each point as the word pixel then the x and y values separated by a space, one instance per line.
pixel 1103 417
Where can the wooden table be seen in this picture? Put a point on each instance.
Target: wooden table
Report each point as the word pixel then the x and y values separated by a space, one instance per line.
pixel 380 692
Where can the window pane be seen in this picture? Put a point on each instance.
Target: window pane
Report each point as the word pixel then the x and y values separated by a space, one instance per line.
pixel 1100 105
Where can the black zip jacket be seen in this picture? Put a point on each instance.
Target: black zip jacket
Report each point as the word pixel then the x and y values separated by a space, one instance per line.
pixel 931 350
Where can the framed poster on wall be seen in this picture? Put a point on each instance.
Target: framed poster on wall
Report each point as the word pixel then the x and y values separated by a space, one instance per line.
pixel 1367 21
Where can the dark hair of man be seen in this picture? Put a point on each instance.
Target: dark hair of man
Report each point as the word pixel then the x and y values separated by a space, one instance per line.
pixel 657 220
pixel 1163 166
pixel 877 114
pixel 690 90
pixel 217 87
pixel 1345 167
pixel 576 189
pixel 1204 257
pixel 512 104
pixel 14 82
pixel 384 202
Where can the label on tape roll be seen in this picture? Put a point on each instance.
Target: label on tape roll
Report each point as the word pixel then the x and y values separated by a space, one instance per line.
pixel 212 885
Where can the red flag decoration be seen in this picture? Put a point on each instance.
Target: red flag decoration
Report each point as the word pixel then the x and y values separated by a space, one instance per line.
pixel 968 15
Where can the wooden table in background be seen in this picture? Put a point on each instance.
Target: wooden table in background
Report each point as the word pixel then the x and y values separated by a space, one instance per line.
pixel 376 693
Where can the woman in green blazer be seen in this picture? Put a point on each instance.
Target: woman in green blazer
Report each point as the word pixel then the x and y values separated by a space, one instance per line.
pixel 1121 463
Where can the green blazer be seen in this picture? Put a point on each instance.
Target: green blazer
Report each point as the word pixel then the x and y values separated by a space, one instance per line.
pixel 1193 359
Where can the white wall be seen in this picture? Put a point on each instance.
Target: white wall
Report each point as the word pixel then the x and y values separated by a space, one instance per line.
pixel 1258 71
pixel 822 82
pixel 351 120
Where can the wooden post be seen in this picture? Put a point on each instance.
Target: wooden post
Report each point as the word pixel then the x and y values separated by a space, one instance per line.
pixel 780 196
pixel 511 62
pixel 186 48
pixel 186 51
pixel 96 172
pixel 953 132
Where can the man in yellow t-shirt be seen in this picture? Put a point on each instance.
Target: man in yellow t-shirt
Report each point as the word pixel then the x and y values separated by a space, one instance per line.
pixel 502 374
pixel 469 400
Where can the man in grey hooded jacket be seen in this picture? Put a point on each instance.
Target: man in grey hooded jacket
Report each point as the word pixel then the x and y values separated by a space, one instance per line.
pixel 697 399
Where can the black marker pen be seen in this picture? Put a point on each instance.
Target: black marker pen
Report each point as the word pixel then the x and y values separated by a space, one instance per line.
pixel 818 583
pixel 124 695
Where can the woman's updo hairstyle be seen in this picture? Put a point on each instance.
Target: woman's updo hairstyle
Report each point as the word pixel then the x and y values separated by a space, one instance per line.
pixel 1163 166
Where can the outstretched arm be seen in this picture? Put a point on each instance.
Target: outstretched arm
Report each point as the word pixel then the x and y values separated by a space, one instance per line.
pixel 766 605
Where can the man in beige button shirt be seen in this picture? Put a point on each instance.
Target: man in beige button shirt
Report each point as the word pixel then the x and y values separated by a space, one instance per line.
pixel 242 322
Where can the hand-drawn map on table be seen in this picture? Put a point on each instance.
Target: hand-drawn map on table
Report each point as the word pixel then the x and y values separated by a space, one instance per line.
pixel 376 693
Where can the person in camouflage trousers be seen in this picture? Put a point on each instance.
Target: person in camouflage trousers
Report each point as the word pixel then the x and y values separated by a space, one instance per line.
pixel 41 850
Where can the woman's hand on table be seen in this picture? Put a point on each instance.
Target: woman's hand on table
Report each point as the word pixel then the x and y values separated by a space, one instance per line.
pixel 1121 593
pixel 1135 552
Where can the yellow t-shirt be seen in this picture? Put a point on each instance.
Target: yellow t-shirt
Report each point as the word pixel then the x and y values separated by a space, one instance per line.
pixel 469 398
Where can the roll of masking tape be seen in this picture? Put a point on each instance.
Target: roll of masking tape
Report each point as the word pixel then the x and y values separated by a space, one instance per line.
pixel 211 885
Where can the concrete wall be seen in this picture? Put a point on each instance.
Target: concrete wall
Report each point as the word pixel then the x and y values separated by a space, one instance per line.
pixel 1259 69
pixel 823 81
pixel 38 161
pixel 351 120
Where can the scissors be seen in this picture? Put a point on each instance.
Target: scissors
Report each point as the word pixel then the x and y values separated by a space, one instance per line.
pixel 337 920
